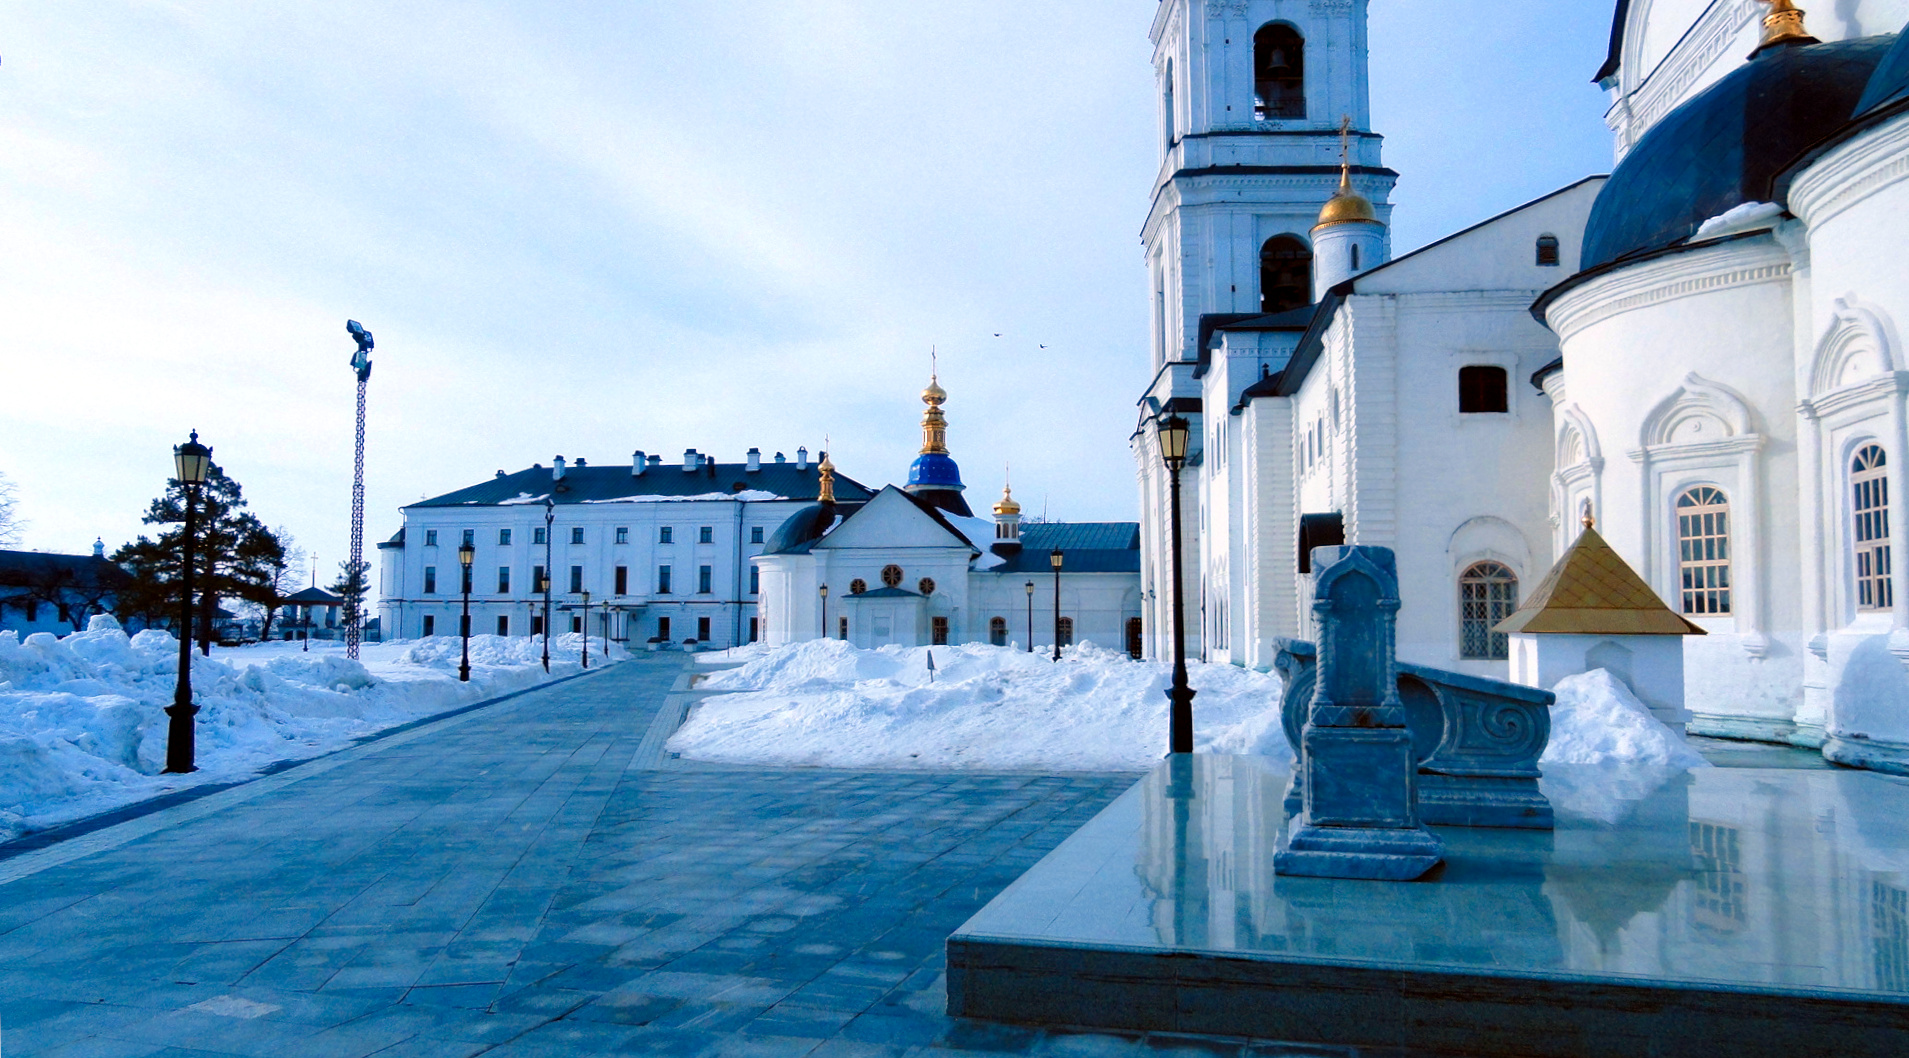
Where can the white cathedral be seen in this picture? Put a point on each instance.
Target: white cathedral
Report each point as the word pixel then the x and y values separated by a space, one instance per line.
pixel 1702 352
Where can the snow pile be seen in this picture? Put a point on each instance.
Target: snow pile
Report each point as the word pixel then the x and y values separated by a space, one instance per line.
pixel 82 726
pixel 827 703
pixel 1597 720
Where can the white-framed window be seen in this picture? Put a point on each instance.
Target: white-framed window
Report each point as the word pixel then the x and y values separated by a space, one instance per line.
pixel 1703 550
pixel 1487 594
pixel 503 537
pixel 622 534
pixel 1869 507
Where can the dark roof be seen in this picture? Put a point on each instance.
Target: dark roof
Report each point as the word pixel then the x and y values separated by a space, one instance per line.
pixel 1890 82
pixel 1615 56
pixel 1289 320
pixel 887 593
pixel 19 568
pixel 588 484
pixel 1086 547
pixel 396 541
pixel 316 597
pixel 799 531
pixel 1727 145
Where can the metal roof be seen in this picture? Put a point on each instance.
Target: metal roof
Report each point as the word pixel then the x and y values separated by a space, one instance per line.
pixel 1086 547
pixel 603 484
pixel 1593 591
pixel 18 568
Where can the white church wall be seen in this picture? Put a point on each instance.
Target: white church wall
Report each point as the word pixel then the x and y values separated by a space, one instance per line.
pixel 1270 604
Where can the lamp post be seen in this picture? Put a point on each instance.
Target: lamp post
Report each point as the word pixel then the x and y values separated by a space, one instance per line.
pixel 586 628
pixel 466 554
pixel 1173 442
pixel 824 589
pixel 550 515
pixel 191 462
pixel 354 579
pixel 1030 617
pixel 1054 559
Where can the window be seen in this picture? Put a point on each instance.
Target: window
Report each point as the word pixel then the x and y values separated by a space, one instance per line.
pixel 576 579
pixel 537 578
pixel 536 624
pixel 891 576
pixel 662 628
pixel 755 629
pixel 1717 896
pixel 1487 594
pixel 1285 274
pixel 938 631
pixel 1871 509
pixel 702 629
pixel 1482 389
pixel 1548 251
pixel 503 537
pixel 1279 72
pixel 1135 635
pixel 755 534
pixel 622 534
pixel 540 535
pixel 857 586
pixel 470 537
pixel 503 624
pixel 706 535
pixel 842 623
pixel 503 580
pixel 1703 550
pixel 926 586
pixel 662 580
pixel 1355 257
pixel 1889 921
pixel 430 625
pixel 576 622
pixel 755 580
pixel 1167 116
pixel 1066 630
pixel 998 631
pixel 430 580
pixel 576 534
pixel 464 578
pixel 430 538
pixel 623 580
pixel 666 535
pixel 702 579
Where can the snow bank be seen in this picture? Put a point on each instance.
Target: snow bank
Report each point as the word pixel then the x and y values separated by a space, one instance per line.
pixel 82 727
pixel 826 703
pixel 1597 720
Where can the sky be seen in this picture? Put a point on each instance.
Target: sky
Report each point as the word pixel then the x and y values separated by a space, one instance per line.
pixel 584 227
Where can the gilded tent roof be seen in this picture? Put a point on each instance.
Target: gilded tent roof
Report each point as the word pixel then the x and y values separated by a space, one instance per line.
pixel 1593 591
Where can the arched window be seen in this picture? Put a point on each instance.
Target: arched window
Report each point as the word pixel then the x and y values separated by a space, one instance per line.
pixel 1870 491
pixel 1279 72
pixel 998 631
pixel 1703 550
pixel 1548 250
pixel 891 576
pixel 1285 274
pixel 1167 116
pixel 1483 389
pixel 1067 631
pixel 1355 257
pixel 857 586
pixel 1487 594
pixel 1135 635
pixel 926 586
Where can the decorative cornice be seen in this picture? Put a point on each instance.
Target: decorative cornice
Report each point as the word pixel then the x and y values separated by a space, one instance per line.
pixel 1851 173
pixel 1666 86
pixel 1654 282
pixel 1852 396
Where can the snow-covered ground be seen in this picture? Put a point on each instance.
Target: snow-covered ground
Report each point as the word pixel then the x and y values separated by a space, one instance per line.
pixel 82 728
pixel 827 703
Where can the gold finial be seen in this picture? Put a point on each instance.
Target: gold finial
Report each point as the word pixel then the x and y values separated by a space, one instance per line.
pixel 825 472
pixel 1007 504
pixel 1784 25
pixel 1586 518
pixel 934 426
pixel 1347 206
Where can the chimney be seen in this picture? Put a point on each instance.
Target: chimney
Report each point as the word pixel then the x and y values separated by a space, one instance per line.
pixel 638 464
pixel 556 469
pixel 581 462
pixel 802 458
pixel 755 460
pixel 99 548
pixel 690 460
pixel 781 459
pixel 656 462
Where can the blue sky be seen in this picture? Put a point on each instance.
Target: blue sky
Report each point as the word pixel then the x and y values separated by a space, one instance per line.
pixel 583 228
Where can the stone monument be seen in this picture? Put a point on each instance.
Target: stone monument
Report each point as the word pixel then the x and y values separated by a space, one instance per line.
pixel 1356 760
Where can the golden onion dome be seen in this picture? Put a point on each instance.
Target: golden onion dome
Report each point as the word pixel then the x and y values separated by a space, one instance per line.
pixel 1007 504
pixel 1347 206
pixel 934 394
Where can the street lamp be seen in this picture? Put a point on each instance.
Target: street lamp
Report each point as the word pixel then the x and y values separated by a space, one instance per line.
pixel 1030 617
pixel 586 628
pixel 191 462
pixel 1173 441
pixel 550 515
pixel 1054 559
pixel 824 589
pixel 466 554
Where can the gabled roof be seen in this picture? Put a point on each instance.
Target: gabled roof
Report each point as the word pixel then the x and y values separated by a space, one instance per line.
pixel 1086 547
pixel 1593 591
pixel 610 484
pixel 315 596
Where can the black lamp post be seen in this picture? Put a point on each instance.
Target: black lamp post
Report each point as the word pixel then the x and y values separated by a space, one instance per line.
pixel 550 515
pixel 1173 442
pixel 586 628
pixel 1054 559
pixel 824 589
pixel 191 462
pixel 466 554
pixel 1030 617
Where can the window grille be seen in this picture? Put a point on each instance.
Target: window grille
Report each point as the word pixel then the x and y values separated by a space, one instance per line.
pixel 1067 631
pixel 1548 251
pixel 1487 594
pixel 1890 917
pixel 891 576
pixel 938 631
pixel 998 631
pixel 1703 555
pixel 926 586
pixel 1870 487
pixel 857 586
pixel 1717 898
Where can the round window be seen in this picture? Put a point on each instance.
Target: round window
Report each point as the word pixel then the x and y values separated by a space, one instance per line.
pixel 857 586
pixel 891 576
pixel 927 586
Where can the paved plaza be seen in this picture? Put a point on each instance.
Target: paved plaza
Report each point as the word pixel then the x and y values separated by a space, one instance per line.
pixel 534 877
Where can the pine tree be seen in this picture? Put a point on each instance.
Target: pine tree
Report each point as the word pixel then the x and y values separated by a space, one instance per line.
pixel 353 579
pixel 236 556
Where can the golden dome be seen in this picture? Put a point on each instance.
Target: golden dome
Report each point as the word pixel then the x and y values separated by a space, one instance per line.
pixel 1007 504
pixel 1348 206
pixel 934 394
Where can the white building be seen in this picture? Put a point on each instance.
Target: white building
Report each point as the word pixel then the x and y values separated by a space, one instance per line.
pixel 1702 351
pixel 662 550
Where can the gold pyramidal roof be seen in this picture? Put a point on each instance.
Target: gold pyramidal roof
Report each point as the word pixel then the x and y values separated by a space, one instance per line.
pixel 1593 591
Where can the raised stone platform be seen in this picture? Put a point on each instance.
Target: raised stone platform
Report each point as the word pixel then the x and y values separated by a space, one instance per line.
pixel 1738 911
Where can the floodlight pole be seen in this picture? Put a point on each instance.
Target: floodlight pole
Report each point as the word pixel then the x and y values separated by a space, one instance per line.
pixel 361 364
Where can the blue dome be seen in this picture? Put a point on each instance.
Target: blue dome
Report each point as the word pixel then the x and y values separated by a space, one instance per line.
pixel 801 529
pixel 934 470
pixel 1727 145
pixel 1890 83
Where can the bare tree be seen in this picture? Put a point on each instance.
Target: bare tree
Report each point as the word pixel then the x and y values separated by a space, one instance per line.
pixel 287 577
pixel 10 523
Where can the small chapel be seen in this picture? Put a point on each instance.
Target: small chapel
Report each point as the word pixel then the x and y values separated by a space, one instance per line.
pixel 1700 352
pixel 914 566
